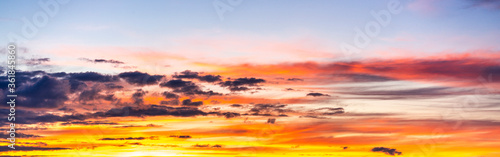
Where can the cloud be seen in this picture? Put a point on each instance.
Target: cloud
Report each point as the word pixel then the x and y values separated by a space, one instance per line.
pixel 236 105
pixel 363 77
pixel 113 86
pixel 88 123
pixel 210 78
pixel 201 145
pixel 188 102
pixel 387 151
pixel 268 109
pixel 36 61
pixel 243 81
pixel 47 92
pixel 150 110
pixel 295 79
pixel 491 71
pixel 181 136
pixel 128 138
pixel 170 95
pixel 241 84
pixel 102 61
pixel 19 134
pixel 49 118
pixel 25 148
pixel 90 94
pixel 92 76
pixel 228 115
pixel 139 78
pixel 138 96
pixel 170 102
pixel 316 94
pixel 450 70
pixel 330 111
pixel 176 84
pixel 186 74
pixel 271 120
pixel 393 94
pixel 196 75
pixel 187 88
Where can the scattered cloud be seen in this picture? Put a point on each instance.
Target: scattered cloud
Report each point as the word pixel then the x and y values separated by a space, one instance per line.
pixel 316 94
pixel 139 78
pixel 388 151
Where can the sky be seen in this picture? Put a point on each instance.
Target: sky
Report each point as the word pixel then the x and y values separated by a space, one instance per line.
pixel 239 78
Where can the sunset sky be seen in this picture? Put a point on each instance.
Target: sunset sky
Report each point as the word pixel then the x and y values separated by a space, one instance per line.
pixel 241 78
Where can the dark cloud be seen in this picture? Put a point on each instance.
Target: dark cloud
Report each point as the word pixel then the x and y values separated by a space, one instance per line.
pixel 236 105
pixel 111 61
pixel 88 95
pixel 268 109
pixel 30 117
pixel 295 79
pixel 237 89
pixel 271 120
pixel 139 78
pixel 170 95
pixel 330 111
pixel 196 75
pixel 94 93
pixel 47 92
pixel 387 151
pixel 176 84
pixel 207 146
pixel 76 85
pixel 126 138
pixel 109 97
pixel 151 111
pixel 92 76
pixel 19 134
pixel 170 102
pixel 113 86
pixel 22 78
pixel 227 115
pixel 25 148
pixel 243 81
pixel 317 94
pixel 491 74
pixel 323 113
pixel 241 84
pixel 181 136
pixel 58 74
pixel 188 102
pixel 201 145
pixel 187 74
pixel 217 146
pixel 88 123
pixel 138 96
pixel 155 110
pixel 210 78
pixel 36 61
pixel 187 88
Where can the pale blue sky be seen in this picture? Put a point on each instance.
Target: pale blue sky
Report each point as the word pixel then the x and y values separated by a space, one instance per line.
pixel 442 26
